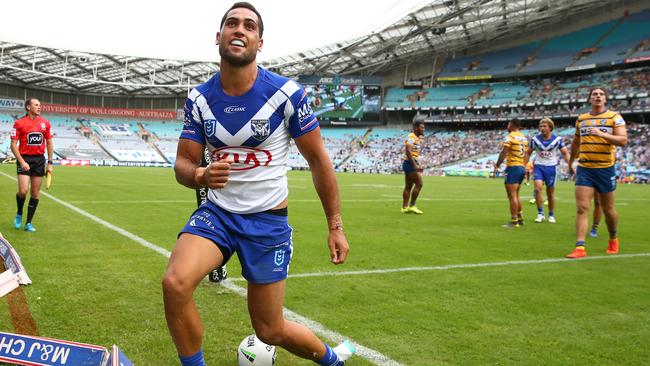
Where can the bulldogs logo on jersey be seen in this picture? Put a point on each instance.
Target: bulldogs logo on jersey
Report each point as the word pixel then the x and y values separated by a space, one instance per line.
pixel 210 127
pixel 34 139
pixel 261 128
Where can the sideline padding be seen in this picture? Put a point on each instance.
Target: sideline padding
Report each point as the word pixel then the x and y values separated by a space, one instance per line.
pixel 40 351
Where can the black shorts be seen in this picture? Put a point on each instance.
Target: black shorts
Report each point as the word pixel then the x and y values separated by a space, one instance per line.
pixel 36 166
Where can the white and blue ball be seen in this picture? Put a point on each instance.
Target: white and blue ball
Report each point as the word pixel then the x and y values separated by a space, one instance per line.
pixel 253 352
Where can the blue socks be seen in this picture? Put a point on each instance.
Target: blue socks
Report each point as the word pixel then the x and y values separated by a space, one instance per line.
pixel 330 358
pixel 194 360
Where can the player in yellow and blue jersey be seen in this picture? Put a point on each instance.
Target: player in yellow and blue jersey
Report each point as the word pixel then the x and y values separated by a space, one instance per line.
pixel 412 170
pixel 597 135
pixel 514 152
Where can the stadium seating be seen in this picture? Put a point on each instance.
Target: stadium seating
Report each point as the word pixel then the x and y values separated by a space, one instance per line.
pixel 622 41
pixel 164 129
pixel 632 83
pixel 603 44
pixel 165 135
pixel 6 123
pixel 502 62
pixel 380 150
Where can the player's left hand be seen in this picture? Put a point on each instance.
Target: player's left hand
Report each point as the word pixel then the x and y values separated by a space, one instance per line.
pixel 50 169
pixel 338 245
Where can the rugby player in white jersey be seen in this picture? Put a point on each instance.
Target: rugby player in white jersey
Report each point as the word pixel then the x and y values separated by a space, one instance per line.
pixel 246 116
pixel 547 147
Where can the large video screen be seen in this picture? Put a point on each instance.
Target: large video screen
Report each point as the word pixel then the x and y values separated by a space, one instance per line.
pixel 338 102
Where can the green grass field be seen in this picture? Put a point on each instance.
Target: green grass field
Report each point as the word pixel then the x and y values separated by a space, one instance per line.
pixel 353 103
pixel 93 285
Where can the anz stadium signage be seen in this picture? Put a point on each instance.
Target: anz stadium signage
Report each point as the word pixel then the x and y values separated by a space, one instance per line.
pixel 339 80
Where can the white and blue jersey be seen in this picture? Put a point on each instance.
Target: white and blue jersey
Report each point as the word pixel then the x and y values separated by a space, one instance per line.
pixel 548 151
pixel 253 130
pixel 547 159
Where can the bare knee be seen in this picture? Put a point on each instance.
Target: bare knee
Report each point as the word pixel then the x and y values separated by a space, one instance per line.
pixel 609 211
pixel 175 286
pixel 582 209
pixel 269 333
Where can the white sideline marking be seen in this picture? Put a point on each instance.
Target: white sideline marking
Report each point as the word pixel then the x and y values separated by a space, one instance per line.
pixel 362 351
pixel 458 266
pixel 466 265
pixel 136 201
pixel 113 184
pixel 376 185
pixel 107 224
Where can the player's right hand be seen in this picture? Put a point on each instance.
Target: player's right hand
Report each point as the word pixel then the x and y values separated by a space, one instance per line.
pixel 215 175
pixel 24 166
pixel 338 246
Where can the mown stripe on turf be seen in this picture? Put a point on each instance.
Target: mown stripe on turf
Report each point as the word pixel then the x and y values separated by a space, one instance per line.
pixel 362 351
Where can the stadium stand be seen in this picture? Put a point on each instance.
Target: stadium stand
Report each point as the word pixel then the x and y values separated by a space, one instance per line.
pixel 123 141
pixel 598 45
pixel 165 136
pixel 625 40
pixel 528 81
pixel 557 96
pixel 6 123
pixel 498 63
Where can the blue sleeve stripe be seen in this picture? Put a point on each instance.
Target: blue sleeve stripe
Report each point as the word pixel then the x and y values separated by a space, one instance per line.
pixel 193 138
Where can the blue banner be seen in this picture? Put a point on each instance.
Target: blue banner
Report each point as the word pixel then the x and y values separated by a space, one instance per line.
pixel 118 358
pixel 29 350
pixel 12 104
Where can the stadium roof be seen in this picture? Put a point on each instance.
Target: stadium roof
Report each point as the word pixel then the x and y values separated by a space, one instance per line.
pixel 447 27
